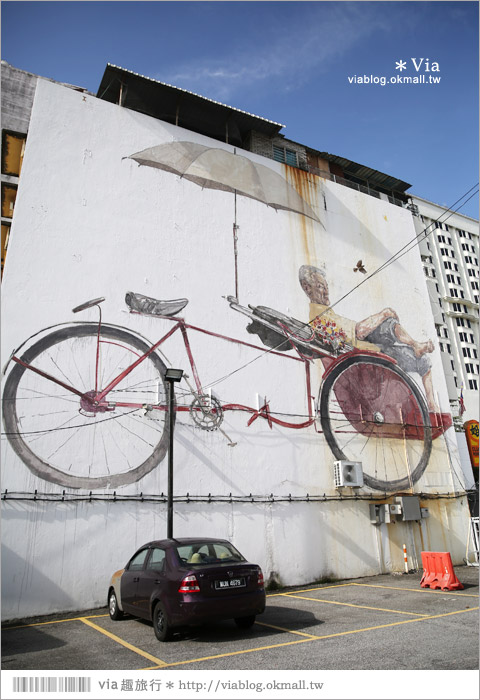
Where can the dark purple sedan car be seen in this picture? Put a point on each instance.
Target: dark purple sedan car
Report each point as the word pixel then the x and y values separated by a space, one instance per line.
pixel 190 581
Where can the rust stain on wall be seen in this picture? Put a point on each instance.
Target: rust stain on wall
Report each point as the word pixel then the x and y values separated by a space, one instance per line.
pixel 307 186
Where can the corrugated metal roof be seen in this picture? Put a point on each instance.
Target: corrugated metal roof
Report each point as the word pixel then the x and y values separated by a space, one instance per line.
pixel 167 102
pixel 188 92
pixel 365 173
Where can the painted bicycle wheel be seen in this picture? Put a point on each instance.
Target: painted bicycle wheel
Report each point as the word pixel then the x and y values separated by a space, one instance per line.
pixel 372 412
pixel 64 438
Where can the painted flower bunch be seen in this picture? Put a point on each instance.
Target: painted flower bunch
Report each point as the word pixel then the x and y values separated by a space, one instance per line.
pixel 329 333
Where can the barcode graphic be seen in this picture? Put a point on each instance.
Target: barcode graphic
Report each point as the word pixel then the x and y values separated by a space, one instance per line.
pixel 46 684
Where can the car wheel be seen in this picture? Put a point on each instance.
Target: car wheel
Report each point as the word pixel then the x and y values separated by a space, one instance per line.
pixel 113 609
pixel 161 627
pixel 245 622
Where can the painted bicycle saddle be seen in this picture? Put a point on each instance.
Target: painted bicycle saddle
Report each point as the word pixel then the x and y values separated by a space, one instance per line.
pixel 156 307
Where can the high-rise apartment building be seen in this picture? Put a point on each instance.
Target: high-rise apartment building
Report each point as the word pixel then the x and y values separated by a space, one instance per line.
pixel 449 251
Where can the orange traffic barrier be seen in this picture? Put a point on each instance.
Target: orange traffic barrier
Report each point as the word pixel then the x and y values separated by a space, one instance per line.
pixel 438 572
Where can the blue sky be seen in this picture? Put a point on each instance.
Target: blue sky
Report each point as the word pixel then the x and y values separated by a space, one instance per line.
pixel 289 62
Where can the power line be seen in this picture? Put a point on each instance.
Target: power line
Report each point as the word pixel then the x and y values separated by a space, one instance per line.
pixel 384 265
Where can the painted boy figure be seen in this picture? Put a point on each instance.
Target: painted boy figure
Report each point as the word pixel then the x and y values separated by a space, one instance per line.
pixel 379 332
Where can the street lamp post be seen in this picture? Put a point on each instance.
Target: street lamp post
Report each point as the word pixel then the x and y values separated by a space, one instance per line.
pixel 171 376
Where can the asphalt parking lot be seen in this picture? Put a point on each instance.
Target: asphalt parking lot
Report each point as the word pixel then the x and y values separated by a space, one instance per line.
pixel 374 623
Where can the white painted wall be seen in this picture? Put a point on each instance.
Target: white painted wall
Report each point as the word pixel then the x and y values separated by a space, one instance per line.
pixel 89 222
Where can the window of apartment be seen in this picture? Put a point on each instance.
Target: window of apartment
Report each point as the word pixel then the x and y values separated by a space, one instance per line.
pixel 464 337
pixel 462 234
pixel 447 264
pixel 460 321
pixel 475 296
pixel 13 148
pixel 457 307
pixel 453 365
pixel 5 236
pixel 455 267
pixel 472 339
pixel 468 259
pixel 441 238
pixel 474 285
pixel 474 353
pixel 285 155
pixel 9 193
pixel 465 246
pixel 462 294
pixel 466 352
pixel 449 240
pixel 473 384
pixel 453 292
pixel 441 347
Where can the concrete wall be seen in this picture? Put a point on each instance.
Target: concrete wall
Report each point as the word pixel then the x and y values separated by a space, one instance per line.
pixel 89 222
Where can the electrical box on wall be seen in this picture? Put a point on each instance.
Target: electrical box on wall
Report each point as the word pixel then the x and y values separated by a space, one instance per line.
pixel 348 474
pixel 375 514
pixel 410 507
pixel 379 513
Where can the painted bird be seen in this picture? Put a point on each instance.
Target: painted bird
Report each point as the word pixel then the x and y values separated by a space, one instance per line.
pixel 360 268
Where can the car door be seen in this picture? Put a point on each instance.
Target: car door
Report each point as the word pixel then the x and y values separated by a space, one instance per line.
pixel 130 579
pixel 151 578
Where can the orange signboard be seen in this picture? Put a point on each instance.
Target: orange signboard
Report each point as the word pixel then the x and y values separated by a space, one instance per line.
pixel 471 433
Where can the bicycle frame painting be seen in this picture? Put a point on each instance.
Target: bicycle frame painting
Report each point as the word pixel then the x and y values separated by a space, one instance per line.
pixel 104 377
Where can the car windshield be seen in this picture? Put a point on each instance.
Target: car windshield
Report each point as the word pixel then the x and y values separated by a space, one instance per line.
pixel 204 553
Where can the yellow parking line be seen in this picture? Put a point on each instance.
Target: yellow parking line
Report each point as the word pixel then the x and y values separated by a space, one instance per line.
pixel 235 653
pixel 145 654
pixel 48 622
pixel 417 590
pixel 308 590
pixel 314 639
pixel 284 629
pixel 352 605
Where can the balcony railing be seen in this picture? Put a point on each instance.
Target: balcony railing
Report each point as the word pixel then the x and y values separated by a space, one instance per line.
pixel 353 185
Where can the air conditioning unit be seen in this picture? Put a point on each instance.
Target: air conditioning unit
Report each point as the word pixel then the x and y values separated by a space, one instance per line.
pixel 396 509
pixel 348 474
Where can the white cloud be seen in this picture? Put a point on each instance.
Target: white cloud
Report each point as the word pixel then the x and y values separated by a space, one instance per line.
pixel 288 54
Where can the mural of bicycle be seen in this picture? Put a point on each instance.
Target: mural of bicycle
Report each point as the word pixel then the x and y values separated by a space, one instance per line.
pixel 110 381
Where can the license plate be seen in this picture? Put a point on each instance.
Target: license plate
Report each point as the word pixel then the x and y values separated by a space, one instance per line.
pixel 231 583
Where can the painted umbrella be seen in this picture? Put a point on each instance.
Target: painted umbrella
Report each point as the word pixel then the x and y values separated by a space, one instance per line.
pixel 217 168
